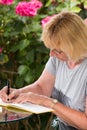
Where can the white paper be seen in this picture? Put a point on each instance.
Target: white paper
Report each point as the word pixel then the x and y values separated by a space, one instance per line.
pixel 29 107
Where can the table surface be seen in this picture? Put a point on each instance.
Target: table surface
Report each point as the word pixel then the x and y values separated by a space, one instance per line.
pixel 12 115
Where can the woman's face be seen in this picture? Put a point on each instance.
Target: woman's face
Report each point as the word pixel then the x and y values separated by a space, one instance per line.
pixel 59 54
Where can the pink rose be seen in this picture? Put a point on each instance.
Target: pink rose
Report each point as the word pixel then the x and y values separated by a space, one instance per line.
pixel 28 8
pixel 1 50
pixel 46 20
pixel 6 2
pixel 37 3
pixel 85 20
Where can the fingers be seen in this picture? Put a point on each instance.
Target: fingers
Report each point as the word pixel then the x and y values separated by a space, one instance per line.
pixel 28 97
pixel 21 98
pixel 4 97
pixel 14 94
pixel 3 94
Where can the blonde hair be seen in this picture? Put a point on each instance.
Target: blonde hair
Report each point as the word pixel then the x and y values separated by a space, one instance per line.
pixel 68 32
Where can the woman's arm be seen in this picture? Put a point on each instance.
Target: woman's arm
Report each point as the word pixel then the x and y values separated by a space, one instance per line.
pixel 42 86
pixel 72 117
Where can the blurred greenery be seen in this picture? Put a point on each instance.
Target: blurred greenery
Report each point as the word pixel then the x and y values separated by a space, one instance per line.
pixel 24 56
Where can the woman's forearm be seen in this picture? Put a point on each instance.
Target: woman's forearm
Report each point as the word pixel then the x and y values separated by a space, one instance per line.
pixel 72 117
pixel 35 87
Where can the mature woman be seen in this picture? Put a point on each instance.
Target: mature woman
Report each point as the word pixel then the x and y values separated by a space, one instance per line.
pixel 63 83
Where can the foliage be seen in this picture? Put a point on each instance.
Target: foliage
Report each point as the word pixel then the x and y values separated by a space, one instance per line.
pixel 22 54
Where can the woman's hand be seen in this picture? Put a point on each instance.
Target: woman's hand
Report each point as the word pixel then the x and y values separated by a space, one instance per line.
pixel 3 94
pixel 33 98
pixel 13 94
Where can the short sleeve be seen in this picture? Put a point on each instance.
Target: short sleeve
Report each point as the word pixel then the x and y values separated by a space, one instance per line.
pixel 51 65
pixel 86 86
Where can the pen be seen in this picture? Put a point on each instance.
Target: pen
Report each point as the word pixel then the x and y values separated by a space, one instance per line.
pixel 8 88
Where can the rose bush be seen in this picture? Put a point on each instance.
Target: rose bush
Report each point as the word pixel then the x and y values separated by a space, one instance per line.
pixel 28 8
pixel 22 54
pixel 6 2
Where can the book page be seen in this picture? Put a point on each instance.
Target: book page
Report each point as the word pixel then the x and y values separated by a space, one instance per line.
pixel 0 109
pixel 29 107
pixel 3 103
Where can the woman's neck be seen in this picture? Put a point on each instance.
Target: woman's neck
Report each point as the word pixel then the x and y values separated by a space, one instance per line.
pixel 72 64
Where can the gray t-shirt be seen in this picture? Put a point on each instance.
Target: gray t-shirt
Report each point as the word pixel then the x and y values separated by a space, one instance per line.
pixel 70 86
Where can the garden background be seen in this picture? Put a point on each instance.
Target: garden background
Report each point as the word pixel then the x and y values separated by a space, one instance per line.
pixel 22 54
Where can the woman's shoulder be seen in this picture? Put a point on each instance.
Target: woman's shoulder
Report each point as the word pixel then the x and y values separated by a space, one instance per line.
pixel 55 60
pixel 85 63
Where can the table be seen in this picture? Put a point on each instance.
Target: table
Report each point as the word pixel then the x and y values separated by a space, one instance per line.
pixel 15 120
pixel 10 119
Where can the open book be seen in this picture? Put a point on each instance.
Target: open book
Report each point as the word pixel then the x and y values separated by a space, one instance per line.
pixel 26 107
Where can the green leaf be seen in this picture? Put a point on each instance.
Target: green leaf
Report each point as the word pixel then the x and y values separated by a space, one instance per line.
pixel 36 27
pixel 29 78
pixel 48 3
pixel 85 4
pixel 20 46
pixel 22 70
pixel 75 9
pixel 23 44
pixel 30 56
pixel 61 6
pixel 3 58
pixel 19 81
pixel 74 3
